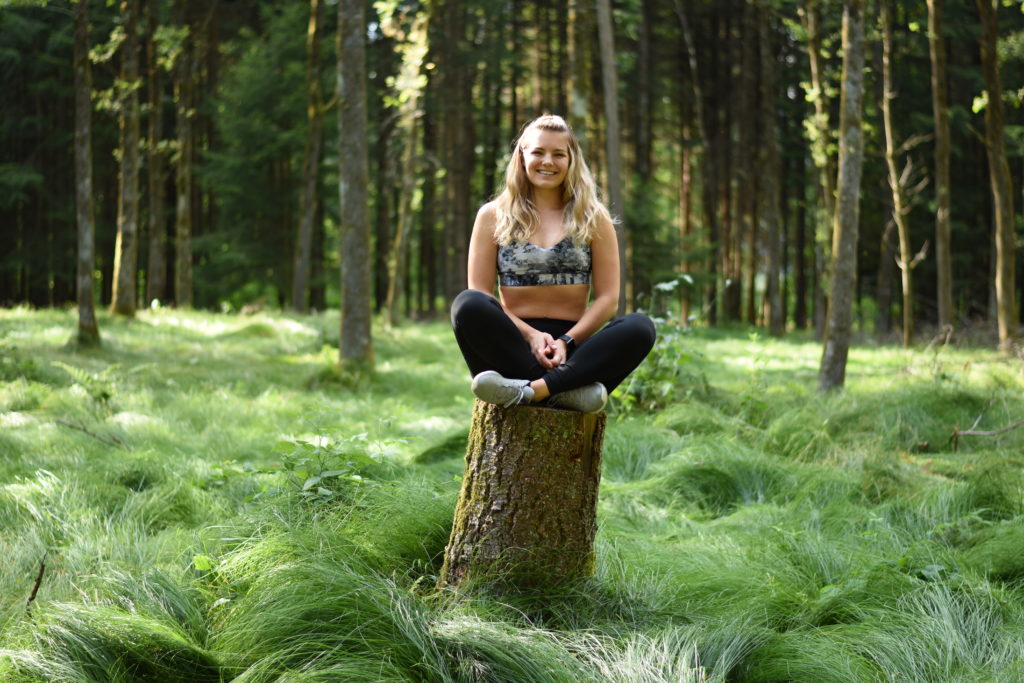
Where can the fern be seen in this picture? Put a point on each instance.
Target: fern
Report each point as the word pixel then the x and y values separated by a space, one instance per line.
pixel 99 386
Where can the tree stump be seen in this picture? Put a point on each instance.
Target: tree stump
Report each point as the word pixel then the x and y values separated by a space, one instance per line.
pixel 527 511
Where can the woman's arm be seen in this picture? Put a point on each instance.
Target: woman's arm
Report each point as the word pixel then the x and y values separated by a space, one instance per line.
pixel 481 271
pixel 604 259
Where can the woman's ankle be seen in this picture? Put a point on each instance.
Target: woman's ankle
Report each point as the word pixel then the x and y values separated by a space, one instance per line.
pixel 540 390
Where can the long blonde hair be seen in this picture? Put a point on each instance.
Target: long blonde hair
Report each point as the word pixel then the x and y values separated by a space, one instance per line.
pixel 516 214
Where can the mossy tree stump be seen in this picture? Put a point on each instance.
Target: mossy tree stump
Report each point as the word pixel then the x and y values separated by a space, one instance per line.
pixel 527 510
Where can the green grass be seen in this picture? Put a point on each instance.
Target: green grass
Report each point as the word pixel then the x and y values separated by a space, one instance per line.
pixel 210 500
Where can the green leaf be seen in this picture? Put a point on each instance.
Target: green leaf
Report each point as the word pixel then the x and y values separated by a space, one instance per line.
pixel 311 482
pixel 203 563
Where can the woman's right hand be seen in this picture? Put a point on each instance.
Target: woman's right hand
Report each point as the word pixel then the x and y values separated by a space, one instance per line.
pixel 542 346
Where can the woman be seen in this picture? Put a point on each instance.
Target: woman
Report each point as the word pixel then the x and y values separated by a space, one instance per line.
pixel 549 241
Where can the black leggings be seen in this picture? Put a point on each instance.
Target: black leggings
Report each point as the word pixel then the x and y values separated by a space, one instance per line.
pixel 489 340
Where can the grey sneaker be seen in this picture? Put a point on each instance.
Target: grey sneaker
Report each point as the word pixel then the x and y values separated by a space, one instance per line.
pixel 491 387
pixel 586 399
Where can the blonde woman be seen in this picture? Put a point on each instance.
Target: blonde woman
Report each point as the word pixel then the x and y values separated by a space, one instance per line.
pixel 552 247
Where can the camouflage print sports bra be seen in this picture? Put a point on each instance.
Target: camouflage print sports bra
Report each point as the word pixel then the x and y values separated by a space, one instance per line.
pixel 523 264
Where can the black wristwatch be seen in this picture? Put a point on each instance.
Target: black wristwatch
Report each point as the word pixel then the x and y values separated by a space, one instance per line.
pixel 570 343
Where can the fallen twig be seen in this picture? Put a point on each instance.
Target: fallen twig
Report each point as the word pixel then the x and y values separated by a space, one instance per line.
pixel 35 588
pixel 109 439
pixel 957 432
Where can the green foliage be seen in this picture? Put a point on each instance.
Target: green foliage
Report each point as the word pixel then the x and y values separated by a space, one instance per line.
pixel 256 171
pixel 670 373
pixel 322 469
pixel 98 385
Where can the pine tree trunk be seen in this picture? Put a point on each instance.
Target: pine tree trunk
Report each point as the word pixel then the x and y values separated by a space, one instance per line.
pixel 527 510
pixel 310 165
pixel 126 249
pixel 356 343
pixel 611 112
pixel 899 214
pixel 822 159
pixel 88 330
pixel 832 373
pixel 184 86
pixel 999 176
pixel 411 89
pixel 940 107
pixel 156 267
pixel 771 171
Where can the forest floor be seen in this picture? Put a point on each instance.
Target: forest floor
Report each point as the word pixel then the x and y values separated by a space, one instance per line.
pixel 205 499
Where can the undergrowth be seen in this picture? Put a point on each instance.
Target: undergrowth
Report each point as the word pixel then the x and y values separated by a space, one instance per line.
pixel 198 499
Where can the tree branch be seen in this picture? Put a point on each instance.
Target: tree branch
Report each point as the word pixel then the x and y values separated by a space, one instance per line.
pixel 972 431
pixel 110 439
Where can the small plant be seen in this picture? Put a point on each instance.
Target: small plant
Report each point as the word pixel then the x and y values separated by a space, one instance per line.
pixel 99 386
pixel 321 469
pixel 668 374
pixel 13 365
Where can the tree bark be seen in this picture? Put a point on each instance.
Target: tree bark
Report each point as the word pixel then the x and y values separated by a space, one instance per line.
pixel 898 211
pixel 610 86
pixel 527 510
pixel 832 374
pixel 311 163
pixel 184 89
pixel 940 109
pixel 356 345
pixel 126 249
pixel 999 177
pixel 707 160
pixel 156 266
pixel 771 171
pixel 410 85
pixel 88 331
pixel 822 160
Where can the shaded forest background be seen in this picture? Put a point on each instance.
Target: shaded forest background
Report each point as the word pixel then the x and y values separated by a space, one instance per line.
pixel 722 158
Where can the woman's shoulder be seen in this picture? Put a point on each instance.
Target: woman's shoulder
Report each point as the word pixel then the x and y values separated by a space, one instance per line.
pixel 488 210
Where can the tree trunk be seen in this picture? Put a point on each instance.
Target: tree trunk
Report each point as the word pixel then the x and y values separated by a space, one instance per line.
pixel 832 374
pixel 527 510
pixel 610 86
pixel 88 331
pixel 410 87
pixel 356 345
pixel 771 171
pixel 822 160
pixel 940 109
pixel 156 266
pixel 311 163
pixel 1002 186
pixel 429 289
pixel 800 249
pixel 707 163
pixel 184 88
pixel 899 213
pixel 126 249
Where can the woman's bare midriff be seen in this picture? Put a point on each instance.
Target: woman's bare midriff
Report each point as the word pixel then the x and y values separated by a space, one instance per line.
pixel 561 302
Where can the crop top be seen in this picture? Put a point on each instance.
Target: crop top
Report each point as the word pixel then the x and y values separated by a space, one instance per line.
pixel 522 264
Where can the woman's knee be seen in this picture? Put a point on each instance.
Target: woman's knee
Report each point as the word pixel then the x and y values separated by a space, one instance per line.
pixel 641 329
pixel 470 303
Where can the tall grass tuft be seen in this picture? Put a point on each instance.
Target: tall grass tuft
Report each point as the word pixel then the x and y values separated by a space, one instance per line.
pixel 104 643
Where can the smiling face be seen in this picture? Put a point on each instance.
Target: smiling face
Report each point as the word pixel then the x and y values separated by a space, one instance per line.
pixel 545 157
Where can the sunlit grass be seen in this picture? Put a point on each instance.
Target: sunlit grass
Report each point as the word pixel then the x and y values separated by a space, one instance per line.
pixel 749 531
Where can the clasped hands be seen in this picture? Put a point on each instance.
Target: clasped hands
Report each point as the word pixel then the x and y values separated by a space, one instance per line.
pixel 548 351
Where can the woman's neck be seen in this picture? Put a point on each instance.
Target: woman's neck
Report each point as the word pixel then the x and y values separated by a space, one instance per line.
pixel 548 200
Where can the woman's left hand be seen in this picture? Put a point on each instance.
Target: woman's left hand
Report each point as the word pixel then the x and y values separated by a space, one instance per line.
pixel 557 353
